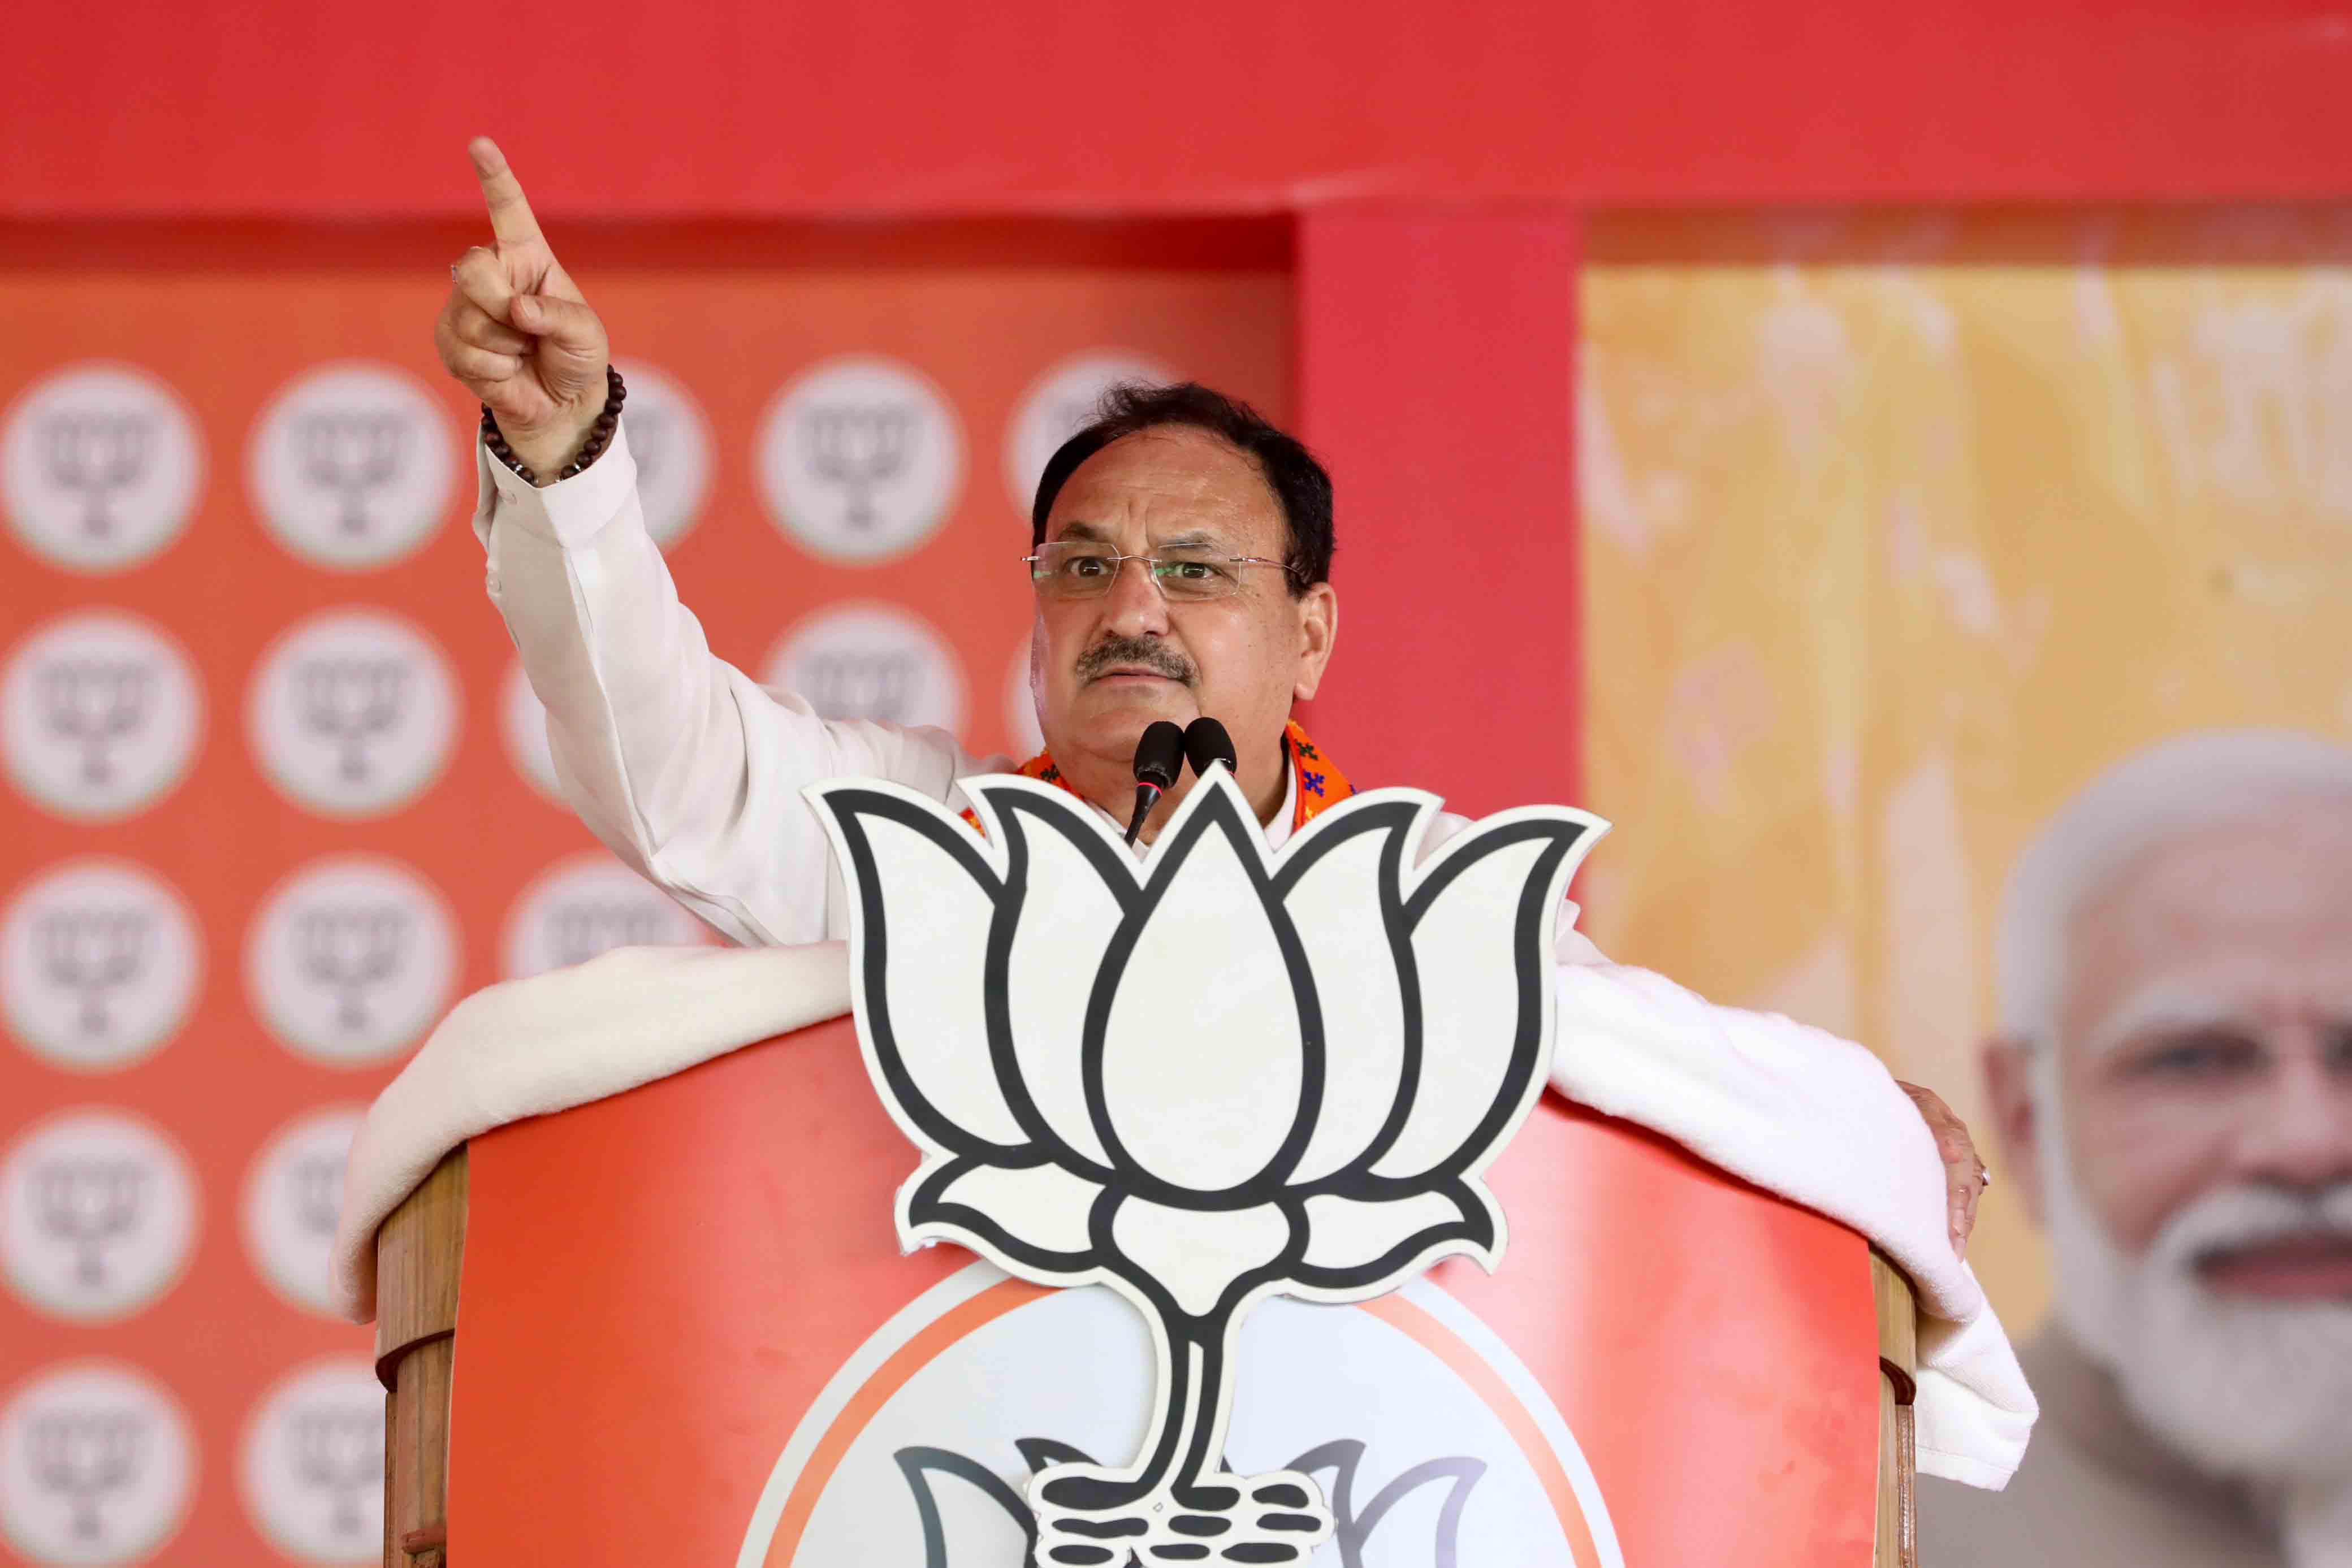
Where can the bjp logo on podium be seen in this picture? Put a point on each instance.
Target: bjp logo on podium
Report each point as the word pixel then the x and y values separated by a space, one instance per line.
pixel 1431 1442
pixel 1215 1077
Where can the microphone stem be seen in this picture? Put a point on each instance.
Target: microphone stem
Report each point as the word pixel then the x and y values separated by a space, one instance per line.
pixel 1146 796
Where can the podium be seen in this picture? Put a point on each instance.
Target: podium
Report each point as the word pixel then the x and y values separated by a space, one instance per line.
pixel 676 1324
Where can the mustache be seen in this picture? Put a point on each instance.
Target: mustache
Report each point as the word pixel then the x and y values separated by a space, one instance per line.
pixel 2237 1218
pixel 1147 653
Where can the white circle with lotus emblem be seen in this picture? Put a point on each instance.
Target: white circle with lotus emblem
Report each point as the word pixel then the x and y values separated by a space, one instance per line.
pixel 1430 1440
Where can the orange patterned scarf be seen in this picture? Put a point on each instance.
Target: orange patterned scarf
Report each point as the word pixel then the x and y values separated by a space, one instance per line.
pixel 1320 785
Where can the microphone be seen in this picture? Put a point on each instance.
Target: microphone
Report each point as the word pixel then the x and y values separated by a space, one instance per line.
pixel 1159 758
pixel 1205 741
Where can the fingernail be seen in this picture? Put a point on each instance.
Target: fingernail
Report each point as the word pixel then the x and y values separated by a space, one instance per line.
pixel 525 306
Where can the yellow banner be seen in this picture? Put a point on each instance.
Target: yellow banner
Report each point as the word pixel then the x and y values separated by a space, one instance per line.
pixel 1898 531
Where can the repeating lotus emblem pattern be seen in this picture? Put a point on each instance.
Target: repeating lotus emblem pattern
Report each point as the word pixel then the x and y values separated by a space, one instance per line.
pixel 1213 1075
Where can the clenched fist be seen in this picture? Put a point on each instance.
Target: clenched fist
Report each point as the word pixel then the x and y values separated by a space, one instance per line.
pixel 517 332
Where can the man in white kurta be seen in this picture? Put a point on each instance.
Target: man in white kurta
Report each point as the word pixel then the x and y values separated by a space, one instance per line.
pixel 693 773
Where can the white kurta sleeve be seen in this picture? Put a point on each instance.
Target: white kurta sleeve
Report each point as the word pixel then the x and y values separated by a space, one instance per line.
pixel 1737 1086
pixel 684 766
pixel 1820 1121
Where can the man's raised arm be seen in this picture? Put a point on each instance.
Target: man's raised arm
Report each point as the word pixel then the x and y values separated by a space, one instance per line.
pixel 682 764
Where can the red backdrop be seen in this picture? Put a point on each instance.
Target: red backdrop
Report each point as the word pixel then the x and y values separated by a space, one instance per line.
pixel 343 109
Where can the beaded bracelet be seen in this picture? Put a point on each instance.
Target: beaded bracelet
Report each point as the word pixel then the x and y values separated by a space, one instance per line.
pixel 600 434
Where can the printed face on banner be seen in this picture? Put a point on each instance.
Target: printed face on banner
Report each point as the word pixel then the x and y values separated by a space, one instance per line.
pixel 669 440
pixel 1057 405
pixel 293 1195
pixel 860 459
pixel 587 904
pixel 96 1466
pixel 351 960
pixel 311 1470
pixel 100 464
pixel 353 713
pixel 871 661
pixel 101 715
pixel 97 1211
pixel 351 465
pixel 1220 1075
pixel 99 962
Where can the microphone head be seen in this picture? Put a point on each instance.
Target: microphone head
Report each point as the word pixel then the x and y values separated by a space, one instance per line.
pixel 1205 741
pixel 1160 755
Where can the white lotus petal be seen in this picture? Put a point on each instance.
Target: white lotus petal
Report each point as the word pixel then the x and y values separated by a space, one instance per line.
pixel 1335 904
pixel 937 919
pixel 1349 1233
pixel 1469 1006
pixel 1201 1062
pixel 1043 1206
pixel 1065 923
pixel 1196 1255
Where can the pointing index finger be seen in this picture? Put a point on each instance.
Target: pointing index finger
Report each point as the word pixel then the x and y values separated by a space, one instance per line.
pixel 510 216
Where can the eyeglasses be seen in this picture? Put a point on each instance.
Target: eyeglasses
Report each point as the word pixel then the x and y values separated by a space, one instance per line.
pixel 1086 568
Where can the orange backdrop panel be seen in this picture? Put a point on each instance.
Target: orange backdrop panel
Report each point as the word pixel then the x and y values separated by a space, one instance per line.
pixel 226 318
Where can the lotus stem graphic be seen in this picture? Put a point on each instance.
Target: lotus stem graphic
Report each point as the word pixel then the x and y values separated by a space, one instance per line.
pixel 1356 1523
pixel 1211 1076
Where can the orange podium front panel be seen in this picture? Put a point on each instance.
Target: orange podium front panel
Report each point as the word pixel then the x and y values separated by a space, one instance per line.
pixel 687 1335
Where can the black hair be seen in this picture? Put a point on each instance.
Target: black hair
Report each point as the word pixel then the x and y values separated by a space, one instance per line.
pixel 1297 480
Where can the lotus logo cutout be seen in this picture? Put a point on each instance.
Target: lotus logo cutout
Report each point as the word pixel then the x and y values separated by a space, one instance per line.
pixel 1215 1075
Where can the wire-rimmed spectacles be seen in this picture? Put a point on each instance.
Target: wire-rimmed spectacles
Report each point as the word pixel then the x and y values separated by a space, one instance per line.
pixel 1086 568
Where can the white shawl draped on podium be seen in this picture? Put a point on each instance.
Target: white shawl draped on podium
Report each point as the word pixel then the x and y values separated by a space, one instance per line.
pixel 1823 1127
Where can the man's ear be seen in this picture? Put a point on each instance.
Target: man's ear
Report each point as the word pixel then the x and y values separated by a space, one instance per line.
pixel 1318 628
pixel 2009 1074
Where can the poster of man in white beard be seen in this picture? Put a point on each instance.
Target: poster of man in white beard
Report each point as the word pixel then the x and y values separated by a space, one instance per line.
pixel 2173 1085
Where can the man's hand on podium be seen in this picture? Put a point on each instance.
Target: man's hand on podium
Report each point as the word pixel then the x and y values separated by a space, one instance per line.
pixel 518 333
pixel 1965 1176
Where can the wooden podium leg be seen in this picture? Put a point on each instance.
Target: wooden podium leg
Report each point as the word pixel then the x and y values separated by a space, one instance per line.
pixel 1898 1453
pixel 420 1252
pixel 417 1457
